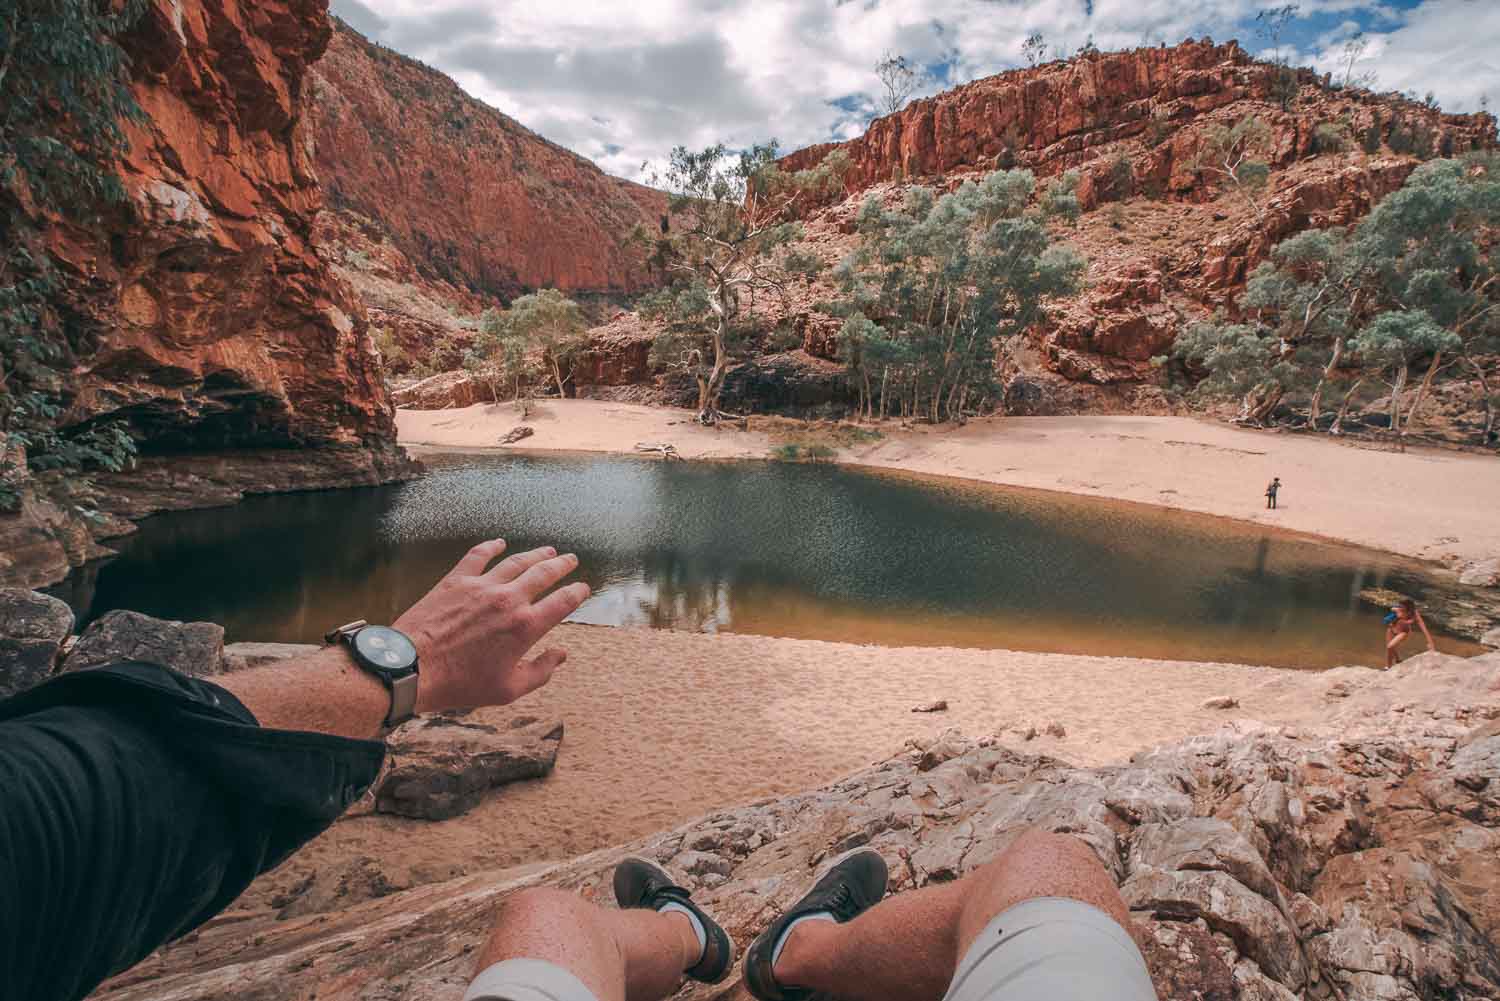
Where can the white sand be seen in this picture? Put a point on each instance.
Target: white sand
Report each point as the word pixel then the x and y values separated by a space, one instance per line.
pixel 1425 503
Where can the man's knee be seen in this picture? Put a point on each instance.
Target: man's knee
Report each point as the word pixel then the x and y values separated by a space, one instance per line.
pixel 538 902
pixel 1039 863
pixel 1040 850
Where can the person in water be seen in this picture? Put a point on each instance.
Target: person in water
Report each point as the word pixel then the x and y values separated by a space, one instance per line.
pixel 1271 490
pixel 1398 626
pixel 136 803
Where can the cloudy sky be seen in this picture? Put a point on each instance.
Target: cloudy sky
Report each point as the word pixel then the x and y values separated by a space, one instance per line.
pixel 623 81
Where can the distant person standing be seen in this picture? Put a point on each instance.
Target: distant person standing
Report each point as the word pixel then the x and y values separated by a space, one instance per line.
pixel 1398 626
pixel 1271 490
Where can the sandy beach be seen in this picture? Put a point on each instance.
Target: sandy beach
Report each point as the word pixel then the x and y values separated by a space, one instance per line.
pixel 662 726
pixel 1425 503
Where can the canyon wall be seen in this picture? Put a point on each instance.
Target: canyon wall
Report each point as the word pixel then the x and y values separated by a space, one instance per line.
pixel 1176 243
pixel 210 322
pixel 468 195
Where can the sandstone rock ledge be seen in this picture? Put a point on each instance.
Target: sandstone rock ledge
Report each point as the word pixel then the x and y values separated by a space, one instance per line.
pixel 1358 861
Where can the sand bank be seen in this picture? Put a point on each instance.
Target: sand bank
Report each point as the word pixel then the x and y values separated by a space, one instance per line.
pixel 1424 503
pixel 665 726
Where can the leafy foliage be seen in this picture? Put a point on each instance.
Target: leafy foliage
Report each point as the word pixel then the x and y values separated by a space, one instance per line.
pixel 498 356
pixel 938 284
pixel 1232 154
pixel 729 238
pixel 552 324
pixel 64 96
pixel 1416 284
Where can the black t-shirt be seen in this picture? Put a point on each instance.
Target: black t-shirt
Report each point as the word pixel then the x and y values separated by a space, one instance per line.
pixel 135 804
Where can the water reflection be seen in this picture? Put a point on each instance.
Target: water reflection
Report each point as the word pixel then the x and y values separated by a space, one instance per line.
pixel 809 551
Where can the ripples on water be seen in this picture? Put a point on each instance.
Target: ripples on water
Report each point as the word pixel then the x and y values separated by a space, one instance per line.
pixel 817 552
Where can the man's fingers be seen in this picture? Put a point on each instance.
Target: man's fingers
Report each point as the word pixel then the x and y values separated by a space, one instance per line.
pixel 538 670
pixel 541 578
pixel 476 559
pixel 512 567
pixel 559 605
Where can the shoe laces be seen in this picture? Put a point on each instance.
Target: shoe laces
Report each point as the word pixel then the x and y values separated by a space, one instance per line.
pixel 842 900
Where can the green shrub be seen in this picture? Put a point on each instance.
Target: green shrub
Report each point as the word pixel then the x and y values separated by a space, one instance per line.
pixel 1330 137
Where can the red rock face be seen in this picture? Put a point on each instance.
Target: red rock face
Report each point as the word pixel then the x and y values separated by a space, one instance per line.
pixel 1178 246
pixel 217 323
pixel 466 193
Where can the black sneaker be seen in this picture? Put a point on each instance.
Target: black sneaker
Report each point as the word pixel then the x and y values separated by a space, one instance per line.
pixel 642 884
pixel 852 886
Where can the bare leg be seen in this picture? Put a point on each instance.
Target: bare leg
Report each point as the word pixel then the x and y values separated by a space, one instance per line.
pixel 1393 640
pixel 634 955
pixel 908 947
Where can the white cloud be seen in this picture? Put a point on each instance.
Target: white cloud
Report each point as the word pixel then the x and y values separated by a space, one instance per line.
pixel 1446 47
pixel 623 82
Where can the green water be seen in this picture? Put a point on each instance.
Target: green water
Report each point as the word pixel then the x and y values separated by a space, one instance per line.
pixel 818 552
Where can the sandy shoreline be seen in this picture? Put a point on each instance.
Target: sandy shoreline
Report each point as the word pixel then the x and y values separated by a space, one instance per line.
pixel 662 727
pixel 1426 504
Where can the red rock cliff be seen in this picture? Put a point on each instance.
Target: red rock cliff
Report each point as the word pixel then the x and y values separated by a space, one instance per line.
pixel 207 318
pixel 469 195
pixel 1177 246
pixel 217 323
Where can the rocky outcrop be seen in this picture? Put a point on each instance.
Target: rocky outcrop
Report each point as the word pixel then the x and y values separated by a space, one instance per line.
pixel 206 318
pixel 192 648
pixel 1065 114
pixel 442 766
pixel 442 392
pixel 33 628
pixel 215 323
pixel 1355 861
pixel 469 195
pixel 1175 245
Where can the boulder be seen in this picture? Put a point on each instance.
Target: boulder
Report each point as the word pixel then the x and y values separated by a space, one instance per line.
pixel 443 391
pixel 1222 702
pixel 192 648
pixel 442 766
pixel 1481 573
pixel 33 628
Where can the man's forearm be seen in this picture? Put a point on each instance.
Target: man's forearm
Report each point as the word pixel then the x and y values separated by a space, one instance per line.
pixel 324 692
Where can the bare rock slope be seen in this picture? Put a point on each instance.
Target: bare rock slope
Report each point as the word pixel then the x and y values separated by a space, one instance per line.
pixel 471 198
pixel 1354 861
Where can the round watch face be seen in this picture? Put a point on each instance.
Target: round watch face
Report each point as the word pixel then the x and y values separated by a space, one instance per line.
pixel 385 650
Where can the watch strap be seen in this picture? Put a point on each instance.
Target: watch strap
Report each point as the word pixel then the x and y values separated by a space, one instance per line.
pixel 403 700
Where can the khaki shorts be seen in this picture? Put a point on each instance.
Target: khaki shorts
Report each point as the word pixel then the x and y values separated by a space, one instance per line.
pixel 1053 948
pixel 527 980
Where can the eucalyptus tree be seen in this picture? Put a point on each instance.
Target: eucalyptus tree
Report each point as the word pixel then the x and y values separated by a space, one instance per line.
pixel 500 358
pixel 1414 285
pixel 555 326
pixel 898 81
pixel 937 285
pixel 1233 154
pixel 64 101
pixel 728 236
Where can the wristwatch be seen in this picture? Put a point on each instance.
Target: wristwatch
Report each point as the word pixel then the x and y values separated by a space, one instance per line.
pixel 389 655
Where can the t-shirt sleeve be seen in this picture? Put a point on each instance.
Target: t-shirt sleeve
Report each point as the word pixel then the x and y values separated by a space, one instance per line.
pixel 134 805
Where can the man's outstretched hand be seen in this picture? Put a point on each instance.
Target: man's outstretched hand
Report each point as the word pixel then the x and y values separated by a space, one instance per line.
pixel 474 629
pixel 473 632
